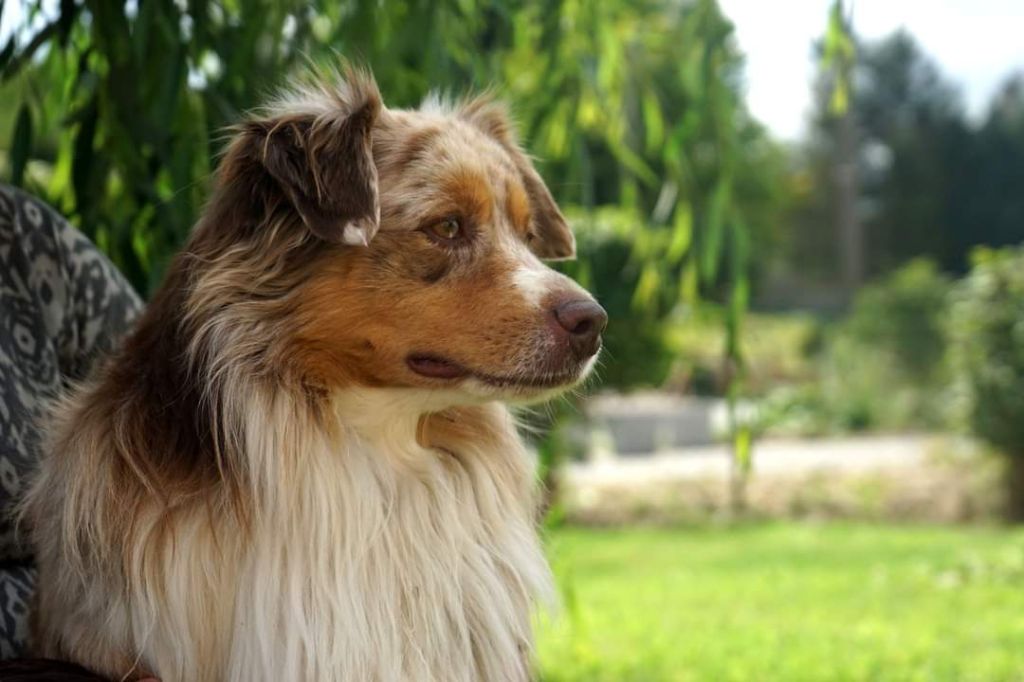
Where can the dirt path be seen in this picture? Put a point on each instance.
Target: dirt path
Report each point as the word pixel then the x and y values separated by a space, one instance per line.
pixel 840 455
pixel 899 477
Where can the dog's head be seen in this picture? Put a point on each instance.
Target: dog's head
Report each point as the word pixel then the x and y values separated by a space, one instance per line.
pixel 429 231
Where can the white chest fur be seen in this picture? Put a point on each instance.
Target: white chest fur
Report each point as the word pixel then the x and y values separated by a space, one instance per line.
pixel 374 558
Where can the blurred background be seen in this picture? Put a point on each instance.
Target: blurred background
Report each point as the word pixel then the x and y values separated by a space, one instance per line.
pixel 803 455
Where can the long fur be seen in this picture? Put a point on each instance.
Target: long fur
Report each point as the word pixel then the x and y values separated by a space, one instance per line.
pixel 215 510
pixel 366 557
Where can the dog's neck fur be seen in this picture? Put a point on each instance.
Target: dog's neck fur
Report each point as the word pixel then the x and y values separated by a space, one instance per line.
pixel 385 559
pixel 383 543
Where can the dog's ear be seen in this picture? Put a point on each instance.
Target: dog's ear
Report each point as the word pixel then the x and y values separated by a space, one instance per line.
pixel 555 240
pixel 323 161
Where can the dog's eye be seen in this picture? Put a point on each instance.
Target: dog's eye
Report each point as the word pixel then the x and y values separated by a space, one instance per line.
pixel 447 230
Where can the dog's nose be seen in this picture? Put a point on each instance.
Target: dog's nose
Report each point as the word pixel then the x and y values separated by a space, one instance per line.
pixel 583 320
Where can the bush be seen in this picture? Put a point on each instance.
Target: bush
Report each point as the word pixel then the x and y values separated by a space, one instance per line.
pixel 902 317
pixel 987 327
pixel 776 350
pixel 885 365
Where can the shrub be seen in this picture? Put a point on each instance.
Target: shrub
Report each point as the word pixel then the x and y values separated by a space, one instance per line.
pixel 776 350
pixel 987 327
pixel 882 366
pixel 902 316
pixel 885 365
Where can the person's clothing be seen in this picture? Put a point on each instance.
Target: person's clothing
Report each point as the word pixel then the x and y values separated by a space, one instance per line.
pixel 62 304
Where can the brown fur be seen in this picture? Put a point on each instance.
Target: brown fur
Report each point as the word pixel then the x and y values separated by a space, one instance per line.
pixel 247 372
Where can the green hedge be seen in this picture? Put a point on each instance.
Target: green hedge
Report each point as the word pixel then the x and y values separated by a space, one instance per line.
pixel 988 341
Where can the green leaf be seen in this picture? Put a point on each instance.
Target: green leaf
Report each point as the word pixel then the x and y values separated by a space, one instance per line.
pixel 654 121
pixel 682 233
pixel 634 163
pixel 839 55
pixel 711 251
pixel 646 287
pixel 60 178
pixel 21 145
pixel 742 448
pixel 840 100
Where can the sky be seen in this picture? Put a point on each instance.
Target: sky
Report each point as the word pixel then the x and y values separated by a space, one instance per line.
pixel 977 43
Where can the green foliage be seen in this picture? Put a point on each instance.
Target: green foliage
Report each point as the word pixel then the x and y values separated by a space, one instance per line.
pixel 776 347
pixel 884 366
pixel 930 182
pixel 131 98
pixel 915 146
pixel 21 144
pixel 787 602
pixel 901 317
pixel 983 204
pixel 988 343
pixel 637 352
pixel 839 55
pixel 632 105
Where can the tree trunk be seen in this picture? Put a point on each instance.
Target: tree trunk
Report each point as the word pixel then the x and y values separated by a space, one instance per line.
pixel 851 230
pixel 1015 488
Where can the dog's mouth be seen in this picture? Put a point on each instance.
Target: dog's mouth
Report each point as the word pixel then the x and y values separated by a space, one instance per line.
pixel 434 366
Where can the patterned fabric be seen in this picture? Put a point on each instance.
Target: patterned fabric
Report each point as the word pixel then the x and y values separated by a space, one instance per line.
pixel 62 304
pixel 17 582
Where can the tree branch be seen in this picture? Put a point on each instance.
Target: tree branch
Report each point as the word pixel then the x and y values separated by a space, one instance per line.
pixel 21 58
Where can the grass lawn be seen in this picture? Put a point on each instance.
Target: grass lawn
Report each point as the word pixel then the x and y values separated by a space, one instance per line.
pixel 787 602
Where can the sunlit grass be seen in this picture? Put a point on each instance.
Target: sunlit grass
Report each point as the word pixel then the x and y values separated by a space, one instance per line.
pixel 787 602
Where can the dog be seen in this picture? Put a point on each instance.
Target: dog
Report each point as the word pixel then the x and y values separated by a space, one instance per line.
pixel 300 465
